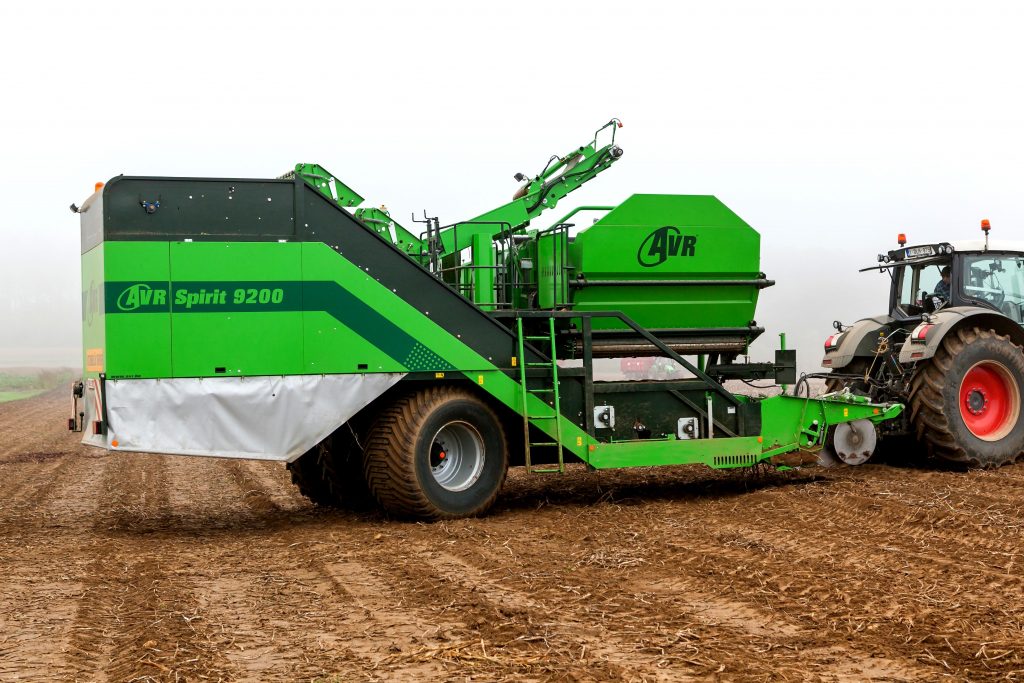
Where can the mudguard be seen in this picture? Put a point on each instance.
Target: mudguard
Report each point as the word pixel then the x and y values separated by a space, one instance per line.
pixel 925 339
pixel 857 340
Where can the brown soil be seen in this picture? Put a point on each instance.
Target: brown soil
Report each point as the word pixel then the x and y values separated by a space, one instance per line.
pixel 126 567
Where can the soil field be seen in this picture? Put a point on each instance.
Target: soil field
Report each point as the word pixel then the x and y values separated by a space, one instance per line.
pixel 124 567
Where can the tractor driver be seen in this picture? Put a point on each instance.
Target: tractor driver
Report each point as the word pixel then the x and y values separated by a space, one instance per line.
pixel 942 287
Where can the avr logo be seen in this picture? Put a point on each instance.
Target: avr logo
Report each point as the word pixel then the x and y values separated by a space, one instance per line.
pixel 140 295
pixel 665 242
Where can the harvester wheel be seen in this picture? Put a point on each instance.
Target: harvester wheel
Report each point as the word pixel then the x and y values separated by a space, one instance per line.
pixel 331 475
pixel 439 453
pixel 965 402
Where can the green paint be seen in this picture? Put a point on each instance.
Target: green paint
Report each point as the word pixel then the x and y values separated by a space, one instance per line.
pixel 327 184
pixel 652 238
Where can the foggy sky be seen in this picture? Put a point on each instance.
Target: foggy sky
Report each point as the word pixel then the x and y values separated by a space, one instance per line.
pixel 827 127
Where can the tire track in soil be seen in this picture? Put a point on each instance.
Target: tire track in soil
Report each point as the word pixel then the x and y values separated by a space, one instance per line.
pixel 30 428
pixel 674 554
pixel 823 519
pixel 278 619
pixel 372 609
pixel 25 484
pixel 411 622
pixel 422 616
pixel 860 596
pixel 41 554
pixel 566 630
pixel 137 617
pixel 889 520
pixel 672 626
pixel 259 610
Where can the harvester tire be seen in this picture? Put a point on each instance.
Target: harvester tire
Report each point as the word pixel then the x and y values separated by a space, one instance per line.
pixel 330 474
pixel 439 453
pixel 965 402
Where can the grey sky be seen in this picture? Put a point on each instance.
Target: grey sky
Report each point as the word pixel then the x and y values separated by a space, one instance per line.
pixel 829 127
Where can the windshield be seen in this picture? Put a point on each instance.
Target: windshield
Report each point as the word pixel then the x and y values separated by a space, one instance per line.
pixel 997 279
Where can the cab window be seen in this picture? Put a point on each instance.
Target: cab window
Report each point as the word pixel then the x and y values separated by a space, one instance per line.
pixel 998 280
pixel 916 280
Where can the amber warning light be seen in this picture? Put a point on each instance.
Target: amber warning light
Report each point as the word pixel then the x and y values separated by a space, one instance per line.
pixel 901 238
pixel 985 225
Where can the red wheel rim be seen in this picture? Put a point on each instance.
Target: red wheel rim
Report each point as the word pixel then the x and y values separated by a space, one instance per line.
pixel 989 400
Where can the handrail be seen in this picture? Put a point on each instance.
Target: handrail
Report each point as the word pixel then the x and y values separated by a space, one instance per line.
pixel 657 343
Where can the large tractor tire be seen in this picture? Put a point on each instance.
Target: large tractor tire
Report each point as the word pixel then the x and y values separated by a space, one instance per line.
pixel 331 475
pixel 965 402
pixel 439 453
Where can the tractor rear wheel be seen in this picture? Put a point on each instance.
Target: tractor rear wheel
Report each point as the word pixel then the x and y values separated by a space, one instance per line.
pixel 438 453
pixel 331 475
pixel 965 402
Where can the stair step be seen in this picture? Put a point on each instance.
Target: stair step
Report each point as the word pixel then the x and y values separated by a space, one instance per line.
pixel 537 338
pixel 552 470
pixel 543 443
pixel 541 391
pixel 537 365
pixel 541 417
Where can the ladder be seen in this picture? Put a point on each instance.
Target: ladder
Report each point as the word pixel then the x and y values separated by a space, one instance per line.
pixel 552 391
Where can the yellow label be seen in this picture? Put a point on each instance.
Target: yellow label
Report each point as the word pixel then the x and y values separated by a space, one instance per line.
pixel 438 375
pixel 94 360
pixel 479 379
pixel 513 361
pixel 846 412
pixel 579 440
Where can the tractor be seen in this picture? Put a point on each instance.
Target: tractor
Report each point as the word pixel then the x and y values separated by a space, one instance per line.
pixel 949 348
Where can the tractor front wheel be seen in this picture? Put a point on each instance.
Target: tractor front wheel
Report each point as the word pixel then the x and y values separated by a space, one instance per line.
pixel 966 401
pixel 438 453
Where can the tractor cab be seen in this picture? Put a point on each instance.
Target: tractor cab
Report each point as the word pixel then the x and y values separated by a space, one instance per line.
pixel 931 277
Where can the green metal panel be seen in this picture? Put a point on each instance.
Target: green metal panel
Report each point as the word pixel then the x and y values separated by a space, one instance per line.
pixel 652 238
pixel 369 335
pixel 328 184
pixel 332 347
pixel 382 222
pixel 483 272
pixel 213 333
pixel 137 345
pixel 549 267
pixel 673 452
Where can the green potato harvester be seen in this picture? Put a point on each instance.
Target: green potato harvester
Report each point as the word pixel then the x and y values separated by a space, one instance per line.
pixel 410 365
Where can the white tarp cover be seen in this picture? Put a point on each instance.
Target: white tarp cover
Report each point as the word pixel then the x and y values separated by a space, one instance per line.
pixel 262 418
